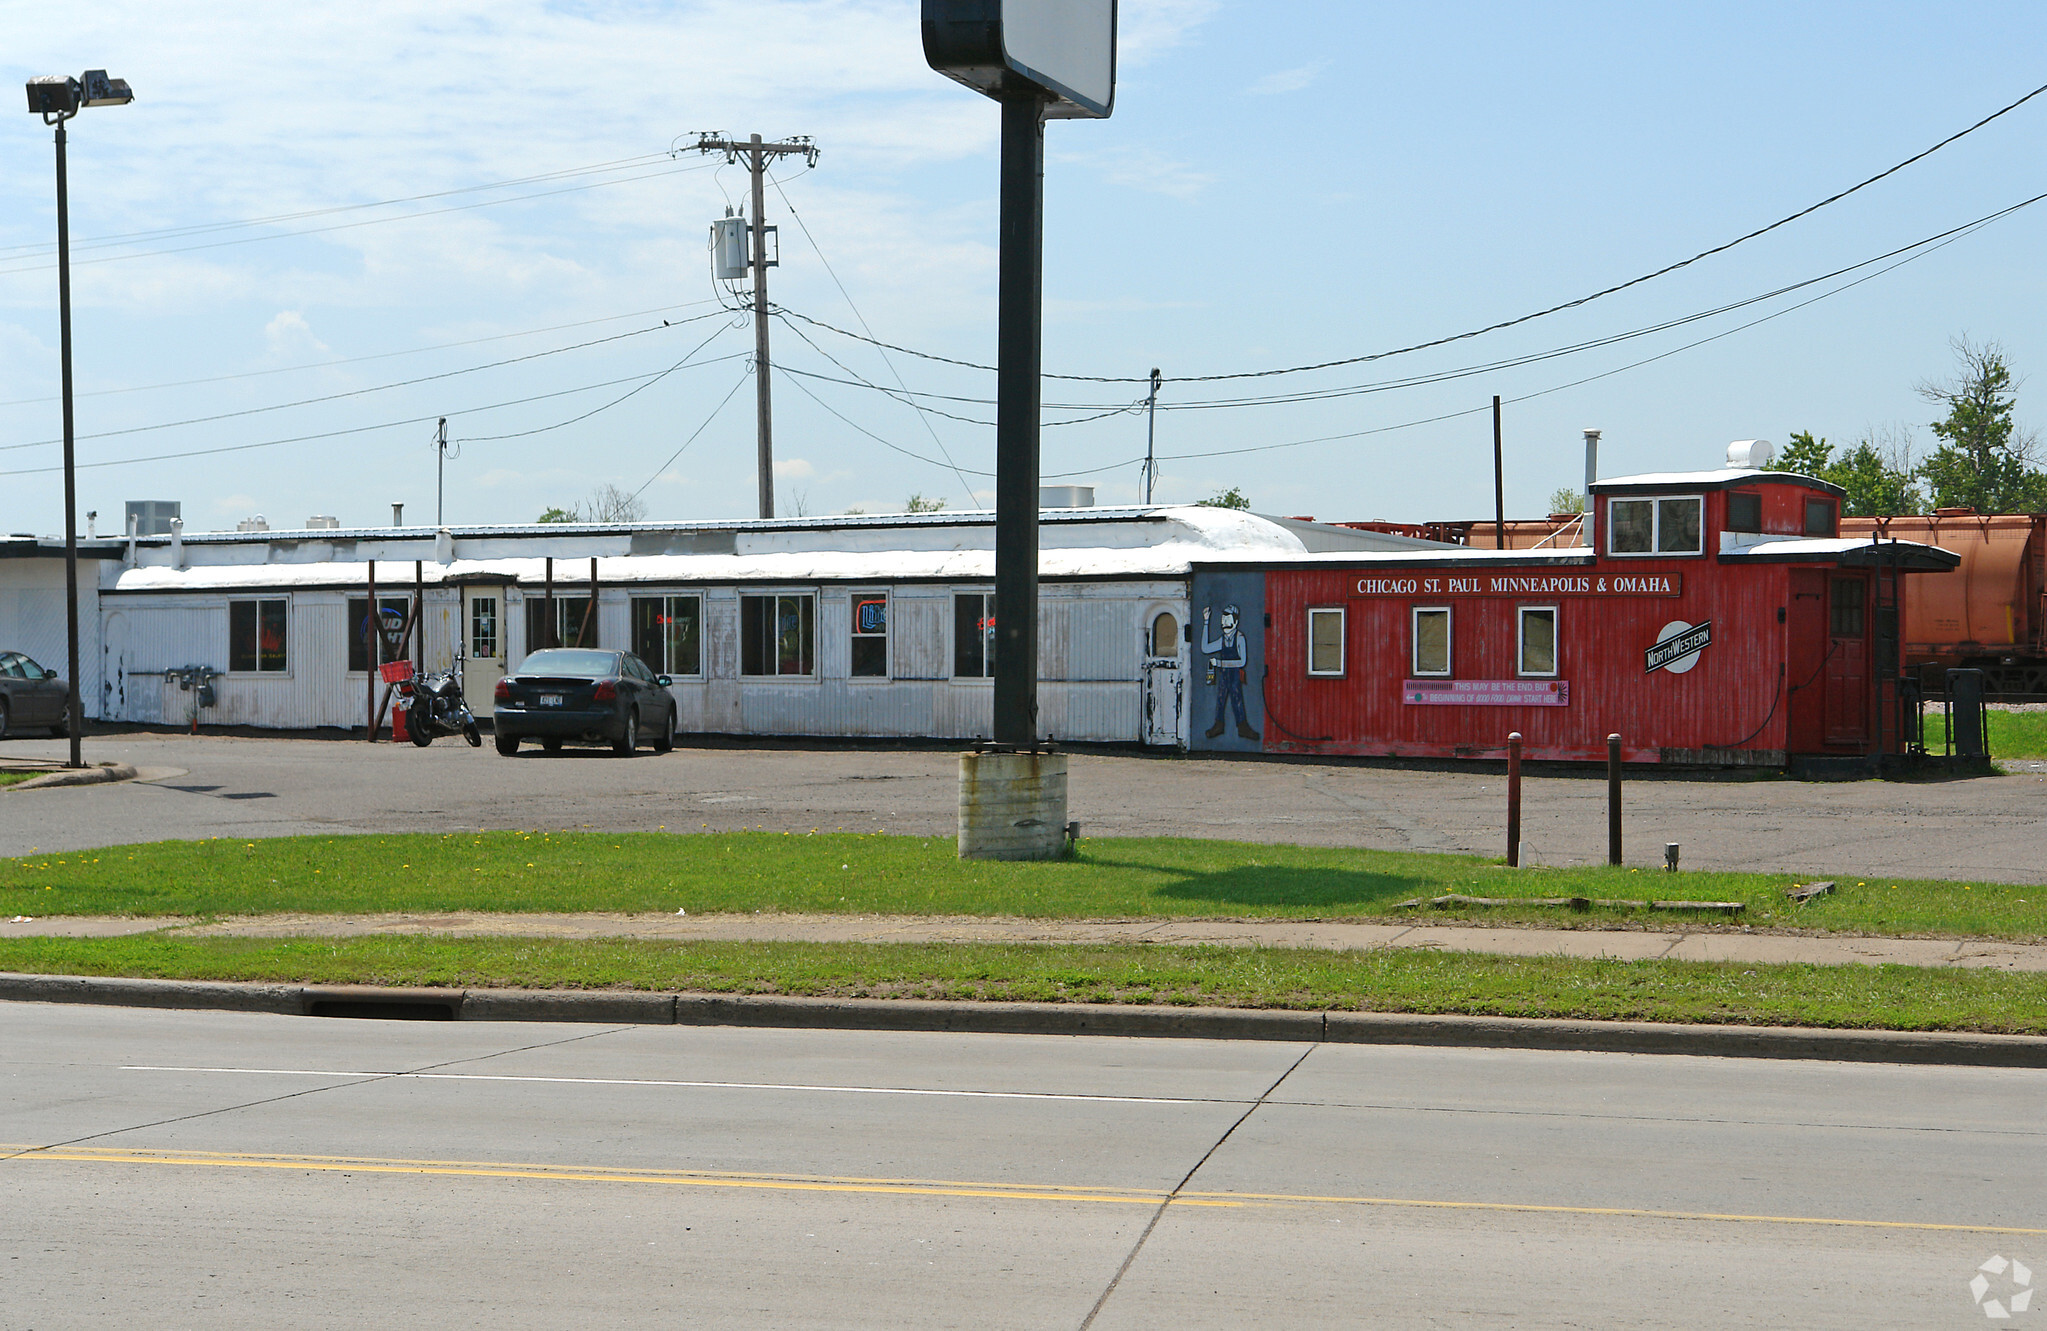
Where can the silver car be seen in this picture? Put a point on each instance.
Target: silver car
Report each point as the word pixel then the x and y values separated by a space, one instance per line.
pixel 30 696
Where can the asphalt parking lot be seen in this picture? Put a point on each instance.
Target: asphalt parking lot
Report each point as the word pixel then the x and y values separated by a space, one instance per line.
pixel 1992 828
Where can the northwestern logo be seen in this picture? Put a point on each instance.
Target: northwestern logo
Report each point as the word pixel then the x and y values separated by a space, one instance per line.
pixel 1677 647
pixel 2015 1288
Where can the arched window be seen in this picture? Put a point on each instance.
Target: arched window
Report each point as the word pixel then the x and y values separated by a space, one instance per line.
pixel 1165 635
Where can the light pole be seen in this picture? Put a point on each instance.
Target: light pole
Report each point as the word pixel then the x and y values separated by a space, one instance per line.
pixel 57 98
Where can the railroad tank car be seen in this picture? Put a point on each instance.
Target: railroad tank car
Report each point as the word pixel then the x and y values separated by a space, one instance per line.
pixel 1990 611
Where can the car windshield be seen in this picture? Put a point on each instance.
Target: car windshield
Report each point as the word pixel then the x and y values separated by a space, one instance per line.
pixel 571 661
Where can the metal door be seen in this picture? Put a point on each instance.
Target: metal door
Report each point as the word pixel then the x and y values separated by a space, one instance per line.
pixel 1165 682
pixel 1847 661
pixel 483 640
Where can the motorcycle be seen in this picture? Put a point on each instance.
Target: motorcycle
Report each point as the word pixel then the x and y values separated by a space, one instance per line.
pixel 434 705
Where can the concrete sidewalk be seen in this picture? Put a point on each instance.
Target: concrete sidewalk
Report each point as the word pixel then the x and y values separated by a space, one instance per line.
pixel 1729 944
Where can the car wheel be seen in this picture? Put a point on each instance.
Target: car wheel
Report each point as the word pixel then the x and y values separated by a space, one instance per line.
pixel 628 738
pixel 664 740
pixel 507 744
pixel 3 718
pixel 551 746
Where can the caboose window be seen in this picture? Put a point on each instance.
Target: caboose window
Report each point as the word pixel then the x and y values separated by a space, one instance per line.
pixel 1846 610
pixel 1325 642
pixel 1656 526
pixel 1431 640
pixel 1538 640
pixel 1744 511
pixel 1819 517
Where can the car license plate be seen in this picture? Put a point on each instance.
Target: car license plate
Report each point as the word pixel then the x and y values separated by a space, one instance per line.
pixel 550 700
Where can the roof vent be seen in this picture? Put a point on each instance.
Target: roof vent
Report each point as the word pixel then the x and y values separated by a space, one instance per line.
pixel 1751 454
pixel 1066 496
pixel 257 523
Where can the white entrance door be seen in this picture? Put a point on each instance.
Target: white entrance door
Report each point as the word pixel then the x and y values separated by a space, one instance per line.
pixel 483 641
pixel 1164 681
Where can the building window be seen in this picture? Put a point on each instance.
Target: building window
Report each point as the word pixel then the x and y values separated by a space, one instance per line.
pixel 776 636
pixel 1655 526
pixel 1537 640
pixel 1431 640
pixel 256 635
pixel 1325 642
pixel 1846 609
pixel 570 612
pixel 1165 634
pixel 667 633
pixel 870 635
pixel 394 611
pixel 973 635
pixel 1744 511
pixel 1819 517
pixel 483 627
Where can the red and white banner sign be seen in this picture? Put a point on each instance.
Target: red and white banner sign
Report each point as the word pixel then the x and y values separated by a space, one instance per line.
pixel 1487 692
pixel 1623 585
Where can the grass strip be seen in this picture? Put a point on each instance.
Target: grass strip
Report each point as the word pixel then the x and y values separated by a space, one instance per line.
pixel 899 875
pixel 16 778
pixel 1858 997
pixel 2009 734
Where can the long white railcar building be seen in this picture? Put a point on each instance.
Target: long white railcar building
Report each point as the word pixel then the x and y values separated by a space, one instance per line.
pixel 845 626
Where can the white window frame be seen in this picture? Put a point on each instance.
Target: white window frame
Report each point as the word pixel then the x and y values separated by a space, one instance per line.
pixel 853 634
pixel 259 602
pixel 1342 636
pixel 632 623
pixel 1556 644
pixel 1656 503
pixel 1414 641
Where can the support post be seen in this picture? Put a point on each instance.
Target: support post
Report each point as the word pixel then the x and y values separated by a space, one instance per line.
pixel 588 628
pixel 73 719
pixel 547 608
pixel 373 651
pixel 1151 416
pixel 1613 799
pixel 763 391
pixel 1499 484
pixel 1018 361
pixel 441 474
pixel 419 616
pixel 1514 800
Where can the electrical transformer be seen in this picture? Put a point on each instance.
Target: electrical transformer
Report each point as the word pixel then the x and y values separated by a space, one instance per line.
pixel 728 248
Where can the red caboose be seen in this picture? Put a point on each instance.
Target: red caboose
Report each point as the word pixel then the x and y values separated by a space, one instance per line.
pixel 1714 617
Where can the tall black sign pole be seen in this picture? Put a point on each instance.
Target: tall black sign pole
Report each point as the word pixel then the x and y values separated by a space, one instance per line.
pixel 1019 361
pixel 72 712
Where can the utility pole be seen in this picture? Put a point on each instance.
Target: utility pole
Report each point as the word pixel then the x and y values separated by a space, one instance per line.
pixel 441 474
pixel 1151 418
pixel 756 155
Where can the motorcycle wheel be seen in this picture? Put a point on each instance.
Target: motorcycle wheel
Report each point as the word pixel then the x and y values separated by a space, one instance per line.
pixel 418 733
pixel 473 735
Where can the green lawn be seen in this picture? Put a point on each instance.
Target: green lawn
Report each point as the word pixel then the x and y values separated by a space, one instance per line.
pixel 16 778
pixel 2010 734
pixel 1877 997
pixel 841 872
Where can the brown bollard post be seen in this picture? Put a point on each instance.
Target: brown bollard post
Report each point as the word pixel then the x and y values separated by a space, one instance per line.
pixel 1613 799
pixel 1514 800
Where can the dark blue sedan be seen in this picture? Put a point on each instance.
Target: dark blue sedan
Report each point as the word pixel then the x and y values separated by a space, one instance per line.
pixel 30 696
pixel 573 695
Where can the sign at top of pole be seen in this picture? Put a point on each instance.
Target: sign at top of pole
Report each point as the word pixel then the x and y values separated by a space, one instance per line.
pixel 1065 48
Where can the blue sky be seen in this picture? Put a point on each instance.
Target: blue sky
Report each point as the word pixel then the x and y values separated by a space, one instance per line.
pixel 1280 184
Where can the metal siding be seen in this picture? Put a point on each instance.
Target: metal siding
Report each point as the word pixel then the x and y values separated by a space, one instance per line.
pixel 918 627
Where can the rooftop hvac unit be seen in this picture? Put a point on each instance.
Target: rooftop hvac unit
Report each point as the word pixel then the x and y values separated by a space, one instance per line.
pixel 257 523
pixel 728 248
pixel 1066 496
pixel 152 517
pixel 1756 454
pixel 320 522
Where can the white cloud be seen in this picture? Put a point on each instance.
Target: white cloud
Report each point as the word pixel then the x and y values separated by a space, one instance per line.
pixel 793 469
pixel 1150 171
pixel 290 336
pixel 1288 80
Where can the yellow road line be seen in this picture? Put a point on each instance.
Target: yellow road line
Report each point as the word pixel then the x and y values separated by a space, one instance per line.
pixel 1053 1192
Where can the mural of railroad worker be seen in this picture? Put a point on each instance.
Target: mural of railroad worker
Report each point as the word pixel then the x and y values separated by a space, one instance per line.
pixel 1228 655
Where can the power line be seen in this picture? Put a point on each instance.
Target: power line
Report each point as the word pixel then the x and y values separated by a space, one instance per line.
pixel 729 395
pixel 651 381
pixel 357 360
pixel 1504 323
pixel 362 392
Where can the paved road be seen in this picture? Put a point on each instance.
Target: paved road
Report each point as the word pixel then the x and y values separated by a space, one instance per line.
pixel 188 1169
pixel 1989 828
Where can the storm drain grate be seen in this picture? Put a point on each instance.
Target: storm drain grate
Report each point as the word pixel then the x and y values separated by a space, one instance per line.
pixel 385 1004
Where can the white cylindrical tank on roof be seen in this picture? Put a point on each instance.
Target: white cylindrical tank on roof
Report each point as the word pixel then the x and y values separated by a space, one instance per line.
pixel 728 248
pixel 1753 454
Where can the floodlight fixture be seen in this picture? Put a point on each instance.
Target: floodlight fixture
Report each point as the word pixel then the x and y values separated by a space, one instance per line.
pixel 99 90
pixel 53 97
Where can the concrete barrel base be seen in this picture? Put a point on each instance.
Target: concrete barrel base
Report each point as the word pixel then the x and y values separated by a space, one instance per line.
pixel 1012 806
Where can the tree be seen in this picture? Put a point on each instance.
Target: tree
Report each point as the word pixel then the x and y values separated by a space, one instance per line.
pixel 1230 498
pixel 1986 462
pixel 1806 456
pixel 1877 472
pixel 607 503
pixel 917 503
pixel 1566 500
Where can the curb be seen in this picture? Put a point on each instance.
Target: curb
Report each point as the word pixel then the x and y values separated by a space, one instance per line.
pixel 1383 1028
pixel 78 776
